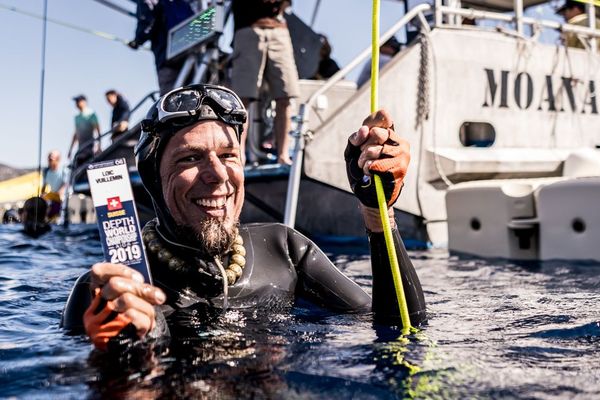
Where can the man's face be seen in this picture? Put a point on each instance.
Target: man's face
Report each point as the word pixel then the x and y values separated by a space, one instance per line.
pixel 571 12
pixel 81 104
pixel 53 161
pixel 111 98
pixel 202 178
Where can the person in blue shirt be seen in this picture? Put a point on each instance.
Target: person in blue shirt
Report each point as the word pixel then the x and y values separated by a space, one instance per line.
pixel 53 184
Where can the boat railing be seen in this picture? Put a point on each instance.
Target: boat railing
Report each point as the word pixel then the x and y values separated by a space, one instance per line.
pixel 518 19
pixel 416 12
pixel 451 9
pixel 300 132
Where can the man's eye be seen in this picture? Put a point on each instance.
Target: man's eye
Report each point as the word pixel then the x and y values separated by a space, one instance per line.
pixel 228 155
pixel 187 159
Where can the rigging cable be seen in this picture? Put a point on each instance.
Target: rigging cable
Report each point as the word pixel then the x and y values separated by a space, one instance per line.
pixel 41 123
pixel 43 74
pixel 100 34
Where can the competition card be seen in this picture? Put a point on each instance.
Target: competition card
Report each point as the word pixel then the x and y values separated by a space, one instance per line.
pixel 118 221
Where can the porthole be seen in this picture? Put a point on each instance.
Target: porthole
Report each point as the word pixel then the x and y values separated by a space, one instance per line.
pixel 477 134
pixel 475 224
pixel 578 225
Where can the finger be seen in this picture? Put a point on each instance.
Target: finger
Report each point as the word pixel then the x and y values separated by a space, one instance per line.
pixel 142 322
pixel 369 153
pixel 102 272
pixel 380 118
pixel 128 301
pixel 398 166
pixel 94 305
pixel 376 136
pixel 358 137
pixel 401 149
pixel 117 286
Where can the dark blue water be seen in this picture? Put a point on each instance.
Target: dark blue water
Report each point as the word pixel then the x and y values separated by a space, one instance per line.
pixel 496 330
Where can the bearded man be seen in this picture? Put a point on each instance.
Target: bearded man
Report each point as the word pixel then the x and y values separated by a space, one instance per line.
pixel 190 163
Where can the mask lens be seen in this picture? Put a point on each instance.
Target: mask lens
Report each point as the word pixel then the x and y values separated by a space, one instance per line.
pixel 227 100
pixel 186 100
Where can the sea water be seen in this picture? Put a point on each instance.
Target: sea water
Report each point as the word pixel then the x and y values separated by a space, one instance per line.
pixel 496 329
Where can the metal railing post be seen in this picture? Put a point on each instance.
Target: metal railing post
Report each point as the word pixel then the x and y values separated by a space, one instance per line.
pixel 189 63
pixel 291 201
pixel 518 6
pixel 591 14
pixel 293 189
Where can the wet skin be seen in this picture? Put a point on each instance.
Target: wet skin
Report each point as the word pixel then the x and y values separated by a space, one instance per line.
pixel 202 175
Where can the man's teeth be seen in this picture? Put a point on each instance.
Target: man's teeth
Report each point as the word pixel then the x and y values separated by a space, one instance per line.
pixel 214 203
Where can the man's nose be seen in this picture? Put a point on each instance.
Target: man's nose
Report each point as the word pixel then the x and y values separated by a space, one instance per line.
pixel 213 171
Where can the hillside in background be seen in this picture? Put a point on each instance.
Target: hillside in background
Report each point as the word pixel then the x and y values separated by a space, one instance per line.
pixel 7 172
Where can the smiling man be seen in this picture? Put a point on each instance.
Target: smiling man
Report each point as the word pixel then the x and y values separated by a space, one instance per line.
pixel 190 162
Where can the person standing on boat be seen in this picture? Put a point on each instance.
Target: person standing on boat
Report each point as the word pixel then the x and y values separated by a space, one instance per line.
pixel 53 184
pixel 262 49
pixel 87 133
pixel 387 51
pixel 154 20
pixel 189 159
pixel 327 65
pixel 120 114
pixel 574 13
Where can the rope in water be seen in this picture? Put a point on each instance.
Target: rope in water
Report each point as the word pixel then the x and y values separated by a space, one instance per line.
pixel 383 209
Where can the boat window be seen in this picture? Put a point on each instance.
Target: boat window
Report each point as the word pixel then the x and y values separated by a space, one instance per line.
pixel 578 225
pixel 477 134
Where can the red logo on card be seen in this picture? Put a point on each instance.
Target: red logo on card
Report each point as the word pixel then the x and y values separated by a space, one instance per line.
pixel 113 203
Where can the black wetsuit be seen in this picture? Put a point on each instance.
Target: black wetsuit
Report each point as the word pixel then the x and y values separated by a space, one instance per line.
pixel 282 265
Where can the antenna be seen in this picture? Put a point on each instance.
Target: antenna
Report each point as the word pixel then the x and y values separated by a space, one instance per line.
pixel 43 74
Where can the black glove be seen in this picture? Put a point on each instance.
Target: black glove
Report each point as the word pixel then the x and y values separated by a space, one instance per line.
pixel 391 168
pixel 208 280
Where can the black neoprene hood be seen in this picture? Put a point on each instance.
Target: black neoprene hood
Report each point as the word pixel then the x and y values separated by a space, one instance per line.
pixel 154 139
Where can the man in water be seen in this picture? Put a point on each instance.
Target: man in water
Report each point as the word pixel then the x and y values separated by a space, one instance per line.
pixel 33 217
pixel 190 162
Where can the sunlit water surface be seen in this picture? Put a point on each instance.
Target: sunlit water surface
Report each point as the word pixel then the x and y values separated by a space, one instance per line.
pixel 495 330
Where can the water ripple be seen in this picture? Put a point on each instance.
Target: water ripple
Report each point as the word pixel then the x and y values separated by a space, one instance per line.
pixel 496 330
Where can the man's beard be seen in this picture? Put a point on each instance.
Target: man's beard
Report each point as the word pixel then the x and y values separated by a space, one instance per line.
pixel 211 235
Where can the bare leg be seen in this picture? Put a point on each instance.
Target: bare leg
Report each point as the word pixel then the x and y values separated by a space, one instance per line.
pixel 283 124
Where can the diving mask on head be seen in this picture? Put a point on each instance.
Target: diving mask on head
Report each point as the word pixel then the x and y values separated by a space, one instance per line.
pixel 174 111
pixel 187 105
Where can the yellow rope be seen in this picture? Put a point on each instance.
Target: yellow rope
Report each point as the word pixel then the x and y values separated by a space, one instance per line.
pixel 383 209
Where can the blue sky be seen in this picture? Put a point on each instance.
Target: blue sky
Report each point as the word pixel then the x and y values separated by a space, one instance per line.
pixel 78 62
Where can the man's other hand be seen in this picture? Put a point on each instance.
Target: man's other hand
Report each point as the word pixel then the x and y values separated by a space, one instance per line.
pixel 376 149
